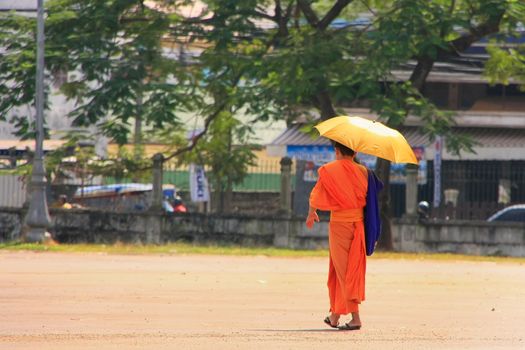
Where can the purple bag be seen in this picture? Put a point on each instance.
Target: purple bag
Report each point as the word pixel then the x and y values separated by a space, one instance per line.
pixel 372 219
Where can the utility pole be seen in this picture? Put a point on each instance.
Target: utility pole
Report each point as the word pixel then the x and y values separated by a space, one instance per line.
pixel 37 217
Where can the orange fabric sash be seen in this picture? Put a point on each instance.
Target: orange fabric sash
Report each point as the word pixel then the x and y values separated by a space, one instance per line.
pixel 347 215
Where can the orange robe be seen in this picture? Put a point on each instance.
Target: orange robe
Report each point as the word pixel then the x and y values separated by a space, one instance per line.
pixel 341 189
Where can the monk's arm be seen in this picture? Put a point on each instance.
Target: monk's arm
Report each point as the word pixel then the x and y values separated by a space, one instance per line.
pixel 312 217
pixel 316 193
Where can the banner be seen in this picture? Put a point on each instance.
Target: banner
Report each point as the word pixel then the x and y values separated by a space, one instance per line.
pixel 319 155
pixel 398 171
pixel 438 150
pixel 198 184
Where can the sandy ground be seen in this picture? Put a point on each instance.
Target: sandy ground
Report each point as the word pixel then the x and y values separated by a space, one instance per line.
pixel 96 301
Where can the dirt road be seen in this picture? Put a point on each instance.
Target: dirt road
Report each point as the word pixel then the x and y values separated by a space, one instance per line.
pixel 96 301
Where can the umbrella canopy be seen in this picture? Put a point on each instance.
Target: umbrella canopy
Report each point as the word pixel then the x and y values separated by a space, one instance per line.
pixel 370 137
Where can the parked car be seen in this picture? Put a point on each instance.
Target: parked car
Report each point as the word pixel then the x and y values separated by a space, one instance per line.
pixel 515 213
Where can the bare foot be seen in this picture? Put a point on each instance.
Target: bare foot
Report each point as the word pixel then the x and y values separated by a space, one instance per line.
pixel 332 320
pixel 349 327
pixel 356 320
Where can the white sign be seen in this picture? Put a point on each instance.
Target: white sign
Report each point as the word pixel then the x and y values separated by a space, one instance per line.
pixel 438 144
pixel 198 184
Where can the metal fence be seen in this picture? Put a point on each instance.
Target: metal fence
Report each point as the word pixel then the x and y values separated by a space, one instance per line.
pixel 483 187
pixel 13 190
pixel 264 176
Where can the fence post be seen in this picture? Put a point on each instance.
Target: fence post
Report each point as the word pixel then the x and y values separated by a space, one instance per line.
pixel 285 206
pixel 411 191
pixel 156 203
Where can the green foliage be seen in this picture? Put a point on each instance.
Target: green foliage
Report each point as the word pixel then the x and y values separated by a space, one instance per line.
pixel 112 55
pixel 76 158
pixel 505 65
pixel 17 71
pixel 270 59
pixel 125 165
pixel 116 47
pixel 296 65
pixel 225 151
pixel 401 99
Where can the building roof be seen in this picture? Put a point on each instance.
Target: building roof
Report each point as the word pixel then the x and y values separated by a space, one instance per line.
pixel 17 148
pixel 486 137
pixel 18 5
pixel 489 143
pixel 483 137
pixel 294 136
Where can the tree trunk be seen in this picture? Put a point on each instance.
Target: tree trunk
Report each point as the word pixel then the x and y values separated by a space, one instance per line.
pixel 323 102
pixel 220 207
pixel 421 72
pixel 137 139
pixel 418 78
pixel 227 202
pixel 217 199
pixel 228 196
pixel 383 172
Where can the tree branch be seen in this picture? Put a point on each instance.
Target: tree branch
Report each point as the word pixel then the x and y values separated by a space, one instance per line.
pixel 464 42
pixel 289 10
pixel 196 138
pixel 333 13
pixel 322 24
pixel 425 63
pixel 219 108
pixel 419 75
pixel 308 12
pixel 323 102
pixel 368 8
pixel 282 21
pixel 264 15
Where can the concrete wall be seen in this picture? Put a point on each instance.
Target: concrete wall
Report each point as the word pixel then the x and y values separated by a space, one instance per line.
pixel 11 220
pixel 463 237
pixel 74 226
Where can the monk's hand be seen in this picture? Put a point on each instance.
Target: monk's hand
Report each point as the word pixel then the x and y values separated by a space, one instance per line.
pixel 312 217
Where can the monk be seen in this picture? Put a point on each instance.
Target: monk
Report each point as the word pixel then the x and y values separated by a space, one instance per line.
pixel 341 189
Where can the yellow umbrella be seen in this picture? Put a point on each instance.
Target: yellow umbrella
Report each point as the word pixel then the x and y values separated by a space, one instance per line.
pixel 370 137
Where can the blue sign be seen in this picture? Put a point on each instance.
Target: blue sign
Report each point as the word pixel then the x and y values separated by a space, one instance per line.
pixel 398 170
pixel 317 154
pixel 320 155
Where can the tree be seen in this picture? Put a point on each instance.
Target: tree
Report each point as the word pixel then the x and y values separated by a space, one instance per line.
pixel 114 57
pixel 110 53
pixel 274 59
pixel 226 151
pixel 315 61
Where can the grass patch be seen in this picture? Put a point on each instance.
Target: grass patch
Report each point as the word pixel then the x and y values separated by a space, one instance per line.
pixel 447 257
pixel 170 249
pixel 186 248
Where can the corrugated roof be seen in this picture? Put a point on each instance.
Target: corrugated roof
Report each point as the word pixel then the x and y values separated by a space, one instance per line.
pixel 485 137
pixel 294 136
pixel 19 147
pixel 19 5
